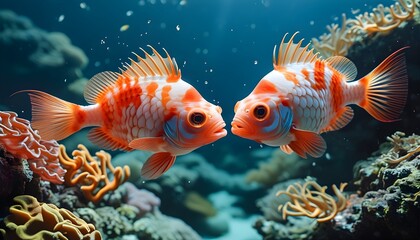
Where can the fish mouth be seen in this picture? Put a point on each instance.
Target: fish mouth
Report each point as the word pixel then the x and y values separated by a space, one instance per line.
pixel 220 130
pixel 239 127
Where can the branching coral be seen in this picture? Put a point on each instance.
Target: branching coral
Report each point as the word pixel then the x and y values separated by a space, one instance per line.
pixel 381 20
pixel 407 147
pixel 91 173
pixel 337 41
pixel 18 138
pixel 384 19
pixel 312 201
pixel 30 219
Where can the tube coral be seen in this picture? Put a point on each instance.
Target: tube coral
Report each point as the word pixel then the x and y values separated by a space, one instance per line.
pixel 18 138
pixel 312 201
pixel 91 173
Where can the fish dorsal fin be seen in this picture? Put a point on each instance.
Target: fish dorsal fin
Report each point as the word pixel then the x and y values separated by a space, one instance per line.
pixel 344 66
pixel 292 53
pixel 98 84
pixel 152 65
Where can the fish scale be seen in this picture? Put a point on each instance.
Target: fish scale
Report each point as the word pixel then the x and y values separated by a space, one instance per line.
pixel 305 96
pixel 146 107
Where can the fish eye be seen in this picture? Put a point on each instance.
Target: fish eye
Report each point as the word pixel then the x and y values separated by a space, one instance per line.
pixel 197 118
pixel 260 111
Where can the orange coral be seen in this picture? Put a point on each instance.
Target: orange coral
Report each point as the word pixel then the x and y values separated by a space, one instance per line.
pixel 92 174
pixel 18 138
pixel 30 219
pixel 313 203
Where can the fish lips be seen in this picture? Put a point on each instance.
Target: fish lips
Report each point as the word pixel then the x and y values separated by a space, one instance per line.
pixel 241 128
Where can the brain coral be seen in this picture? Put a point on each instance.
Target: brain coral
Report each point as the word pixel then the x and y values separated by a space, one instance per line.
pixel 30 219
pixel 18 138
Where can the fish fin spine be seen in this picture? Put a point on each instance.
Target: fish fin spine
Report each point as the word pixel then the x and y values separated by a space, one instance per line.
pixel 98 85
pixel 53 117
pixel 103 139
pixel 385 88
pixel 290 52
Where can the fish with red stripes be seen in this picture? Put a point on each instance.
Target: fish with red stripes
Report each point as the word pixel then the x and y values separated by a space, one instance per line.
pixel 147 107
pixel 305 96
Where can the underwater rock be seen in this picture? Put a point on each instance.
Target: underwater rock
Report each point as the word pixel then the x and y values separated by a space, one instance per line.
pixel 279 167
pixel 37 54
pixel 190 173
pixel 387 205
pixel 157 226
pixel 142 199
pixel 16 179
pixel 295 228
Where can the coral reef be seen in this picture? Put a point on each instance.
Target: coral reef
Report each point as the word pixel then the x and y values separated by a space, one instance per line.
pixel 294 228
pixel 270 203
pixel 30 219
pixel 382 20
pixel 142 199
pixel 279 167
pixel 18 138
pixel 159 227
pixel 37 54
pixel 16 179
pixel 337 41
pixel 92 173
pixel 311 200
pixel 387 204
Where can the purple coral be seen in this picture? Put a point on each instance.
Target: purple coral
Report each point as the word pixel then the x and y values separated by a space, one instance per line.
pixel 142 199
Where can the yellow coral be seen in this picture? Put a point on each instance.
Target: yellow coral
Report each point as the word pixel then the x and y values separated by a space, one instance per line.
pixel 30 219
pixel 337 41
pixel 384 19
pixel 381 20
pixel 90 173
pixel 313 203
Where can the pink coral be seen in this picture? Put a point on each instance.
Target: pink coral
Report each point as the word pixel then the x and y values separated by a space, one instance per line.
pixel 18 138
pixel 143 200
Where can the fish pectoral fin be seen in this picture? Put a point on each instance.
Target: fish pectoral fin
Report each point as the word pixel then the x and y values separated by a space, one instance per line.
pixel 286 149
pixel 307 143
pixel 101 137
pixel 152 144
pixel 157 164
pixel 343 117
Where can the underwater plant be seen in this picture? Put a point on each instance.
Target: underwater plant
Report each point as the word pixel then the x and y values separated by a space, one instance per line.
pixel 18 138
pixel 92 172
pixel 30 219
pixel 311 200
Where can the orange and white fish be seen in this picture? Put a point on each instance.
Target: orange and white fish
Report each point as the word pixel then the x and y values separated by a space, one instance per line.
pixel 147 107
pixel 305 96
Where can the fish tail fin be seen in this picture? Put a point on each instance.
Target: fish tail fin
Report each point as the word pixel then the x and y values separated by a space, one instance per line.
pixel 385 88
pixel 53 117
